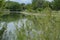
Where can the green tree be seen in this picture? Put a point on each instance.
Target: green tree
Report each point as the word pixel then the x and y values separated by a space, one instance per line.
pixel 2 2
pixel 56 4
pixel 13 6
pixel 37 4
pixel 23 6
pixel 2 6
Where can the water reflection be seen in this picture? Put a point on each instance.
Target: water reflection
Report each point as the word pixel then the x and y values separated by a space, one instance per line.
pixel 11 20
pixel 22 27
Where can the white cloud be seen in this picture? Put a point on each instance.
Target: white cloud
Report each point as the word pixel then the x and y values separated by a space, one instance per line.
pixel 22 1
pixel 50 0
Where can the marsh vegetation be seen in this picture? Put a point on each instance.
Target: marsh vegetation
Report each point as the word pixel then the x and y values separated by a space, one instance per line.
pixel 34 23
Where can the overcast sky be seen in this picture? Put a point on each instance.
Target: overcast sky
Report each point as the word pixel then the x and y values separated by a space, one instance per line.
pixel 24 1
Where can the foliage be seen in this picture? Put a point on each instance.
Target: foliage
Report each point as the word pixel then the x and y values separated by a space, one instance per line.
pixel 44 27
pixel 37 4
pixel 2 6
pixel 2 30
pixel 57 4
pixel 13 6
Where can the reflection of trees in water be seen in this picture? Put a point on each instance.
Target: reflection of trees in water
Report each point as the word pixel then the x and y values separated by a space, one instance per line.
pixel 35 27
pixel 3 23
pixel 6 33
pixel 9 36
pixel 11 17
pixel 3 27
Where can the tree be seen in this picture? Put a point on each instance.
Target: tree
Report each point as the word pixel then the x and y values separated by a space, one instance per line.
pixel 1 3
pixel 13 6
pixel 56 4
pixel 2 7
pixel 23 6
pixel 37 4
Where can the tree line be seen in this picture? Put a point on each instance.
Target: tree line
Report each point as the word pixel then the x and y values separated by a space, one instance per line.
pixel 35 5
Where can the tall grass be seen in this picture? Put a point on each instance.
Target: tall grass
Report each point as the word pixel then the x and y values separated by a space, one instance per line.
pixel 41 27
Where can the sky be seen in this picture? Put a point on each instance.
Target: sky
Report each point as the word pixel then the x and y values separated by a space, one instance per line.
pixel 50 0
pixel 25 1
